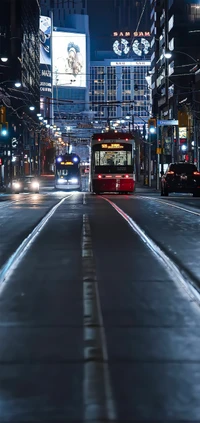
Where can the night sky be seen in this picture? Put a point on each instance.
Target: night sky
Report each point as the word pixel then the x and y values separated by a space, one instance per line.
pixel 104 21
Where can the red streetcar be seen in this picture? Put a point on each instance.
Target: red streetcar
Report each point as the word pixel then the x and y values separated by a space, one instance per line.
pixel 112 163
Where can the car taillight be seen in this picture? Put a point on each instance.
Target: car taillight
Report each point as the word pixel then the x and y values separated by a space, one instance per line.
pixel 196 173
pixel 170 173
pixel 99 176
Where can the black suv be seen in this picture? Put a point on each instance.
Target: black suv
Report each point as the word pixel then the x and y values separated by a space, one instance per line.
pixel 181 177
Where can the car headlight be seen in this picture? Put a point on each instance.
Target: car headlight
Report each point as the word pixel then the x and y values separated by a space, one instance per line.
pixel 35 185
pixel 74 181
pixel 16 185
pixel 61 181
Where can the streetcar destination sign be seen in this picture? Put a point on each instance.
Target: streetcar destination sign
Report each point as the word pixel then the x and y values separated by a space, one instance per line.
pixel 66 163
pixel 171 122
pixel 112 146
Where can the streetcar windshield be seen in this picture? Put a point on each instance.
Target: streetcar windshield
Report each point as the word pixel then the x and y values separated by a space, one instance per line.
pixel 113 158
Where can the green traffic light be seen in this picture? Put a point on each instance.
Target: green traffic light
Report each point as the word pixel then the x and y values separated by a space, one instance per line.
pixel 4 132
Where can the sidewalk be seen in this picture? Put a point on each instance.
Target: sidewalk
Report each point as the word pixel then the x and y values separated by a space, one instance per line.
pixel 140 187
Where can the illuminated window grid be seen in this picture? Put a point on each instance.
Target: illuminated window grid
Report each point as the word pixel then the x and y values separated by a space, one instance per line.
pixel 111 88
pixel 142 96
pixel 97 82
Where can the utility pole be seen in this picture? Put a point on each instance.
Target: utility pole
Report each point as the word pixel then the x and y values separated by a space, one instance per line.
pixel 39 154
pixel 157 160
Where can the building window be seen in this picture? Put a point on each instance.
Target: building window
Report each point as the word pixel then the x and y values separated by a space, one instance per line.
pixel 194 13
pixel 171 23
pixel 171 44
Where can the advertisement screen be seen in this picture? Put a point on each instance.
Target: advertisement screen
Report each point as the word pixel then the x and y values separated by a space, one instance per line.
pixel 45 56
pixel 69 59
pixel 45 36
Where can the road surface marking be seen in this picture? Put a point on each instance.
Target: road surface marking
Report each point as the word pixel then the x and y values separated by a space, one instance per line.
pixel 97 391
pixel 17 256
pixel 84 199
pixel 171 205
pixel 173 269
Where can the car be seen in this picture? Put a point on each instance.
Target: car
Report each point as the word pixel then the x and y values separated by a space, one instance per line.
pixel 26 183
pixel 181 177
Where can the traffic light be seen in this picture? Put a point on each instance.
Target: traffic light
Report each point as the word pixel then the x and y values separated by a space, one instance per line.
pixel 152 125
pixel 4 129
pixel 2 114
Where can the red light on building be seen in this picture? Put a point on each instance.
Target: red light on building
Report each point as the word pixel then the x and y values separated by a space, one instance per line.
pixel 99 139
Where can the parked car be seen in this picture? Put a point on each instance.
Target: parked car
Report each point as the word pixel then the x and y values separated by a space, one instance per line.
pixel 181 177
pixel 26 183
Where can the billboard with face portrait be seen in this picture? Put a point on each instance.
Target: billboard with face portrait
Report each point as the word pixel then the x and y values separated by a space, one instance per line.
pixel 69 59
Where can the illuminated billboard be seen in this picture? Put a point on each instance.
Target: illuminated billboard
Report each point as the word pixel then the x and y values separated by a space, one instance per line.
pixel 45 56
pixel 69 59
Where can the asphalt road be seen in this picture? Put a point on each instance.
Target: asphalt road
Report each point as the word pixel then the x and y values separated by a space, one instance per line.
pixel 99 317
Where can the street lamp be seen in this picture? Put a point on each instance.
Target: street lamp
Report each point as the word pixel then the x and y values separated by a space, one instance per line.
pixel 18 84
pixel 4 59
pixel 32 108
pixel 168 54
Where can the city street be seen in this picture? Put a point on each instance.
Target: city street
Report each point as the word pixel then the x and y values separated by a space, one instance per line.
pixel 97 325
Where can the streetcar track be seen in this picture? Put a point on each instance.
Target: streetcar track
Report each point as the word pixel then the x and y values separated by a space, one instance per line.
pixel 170 205
pixel 13 261
pixel 175 271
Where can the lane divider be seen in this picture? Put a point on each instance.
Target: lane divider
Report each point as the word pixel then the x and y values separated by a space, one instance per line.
pixel 97 392
pixel 171 205
pixel 17 256
pixel 172 268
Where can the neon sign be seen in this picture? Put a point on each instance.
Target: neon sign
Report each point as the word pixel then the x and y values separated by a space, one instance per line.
pixel 139 47
pixel 132 34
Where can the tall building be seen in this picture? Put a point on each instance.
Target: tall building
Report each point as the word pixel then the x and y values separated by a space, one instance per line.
pixel 20 63
pixel 62 8
pixel 120 76
pixel 19 31
pixel 175 51
pixel 70 46
pixel 120 65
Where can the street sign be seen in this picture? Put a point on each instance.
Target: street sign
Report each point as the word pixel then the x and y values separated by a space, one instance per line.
pixel 171 122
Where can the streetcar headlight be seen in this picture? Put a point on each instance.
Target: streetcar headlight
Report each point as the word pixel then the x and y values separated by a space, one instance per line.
pixel 61 181
pixel 74 181
pixel 16 185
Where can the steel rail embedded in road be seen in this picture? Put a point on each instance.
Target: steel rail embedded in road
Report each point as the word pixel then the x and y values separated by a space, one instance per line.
pixel 15 258
pixel 172 268
pixel 170 205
